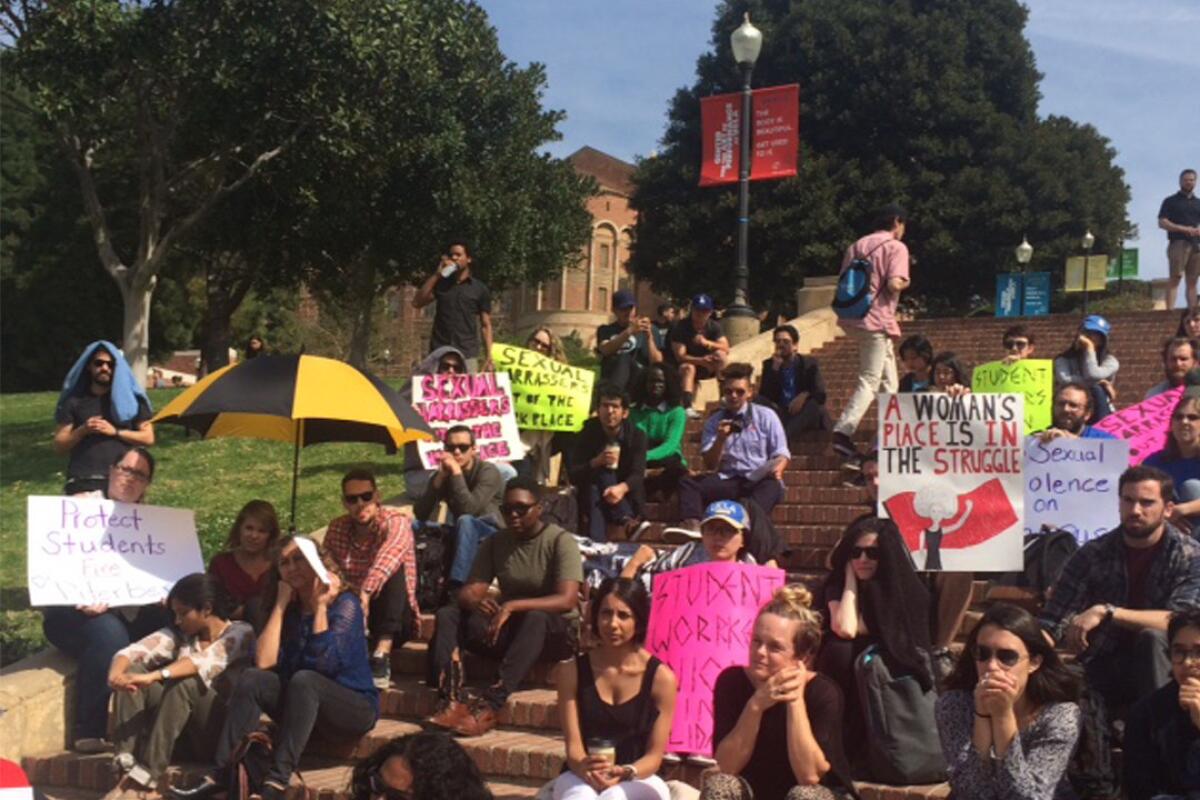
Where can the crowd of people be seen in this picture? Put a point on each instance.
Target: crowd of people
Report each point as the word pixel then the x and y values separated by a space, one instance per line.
pixel 303 631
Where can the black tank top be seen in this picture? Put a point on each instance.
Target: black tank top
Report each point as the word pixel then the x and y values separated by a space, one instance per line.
pixel 628 724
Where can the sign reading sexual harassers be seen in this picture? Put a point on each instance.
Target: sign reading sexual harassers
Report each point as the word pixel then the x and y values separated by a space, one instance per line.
pixel 950 478
pixel 548 395
pixel 89 551
pixel 1145 426
pixel 483 402
pixel 701 621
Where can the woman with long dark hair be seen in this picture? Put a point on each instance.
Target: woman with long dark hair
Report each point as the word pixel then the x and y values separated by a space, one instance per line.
pixel 616 703
pixel 1181 459
pixel 1189 323
pixel 658 410
pixel 1088 362
pixel 1009 716
pixel 242 567
pixel 419 766
pixel 874 598
pixel 949 375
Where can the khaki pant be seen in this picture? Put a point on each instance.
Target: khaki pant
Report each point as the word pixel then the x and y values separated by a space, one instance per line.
pixel 876 373
pixel 1183 258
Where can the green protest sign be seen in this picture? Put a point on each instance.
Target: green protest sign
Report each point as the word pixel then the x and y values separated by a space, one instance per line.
pixel 548 395
pixel 1032 377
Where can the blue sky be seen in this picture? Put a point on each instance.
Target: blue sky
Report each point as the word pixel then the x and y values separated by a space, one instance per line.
pixel 1126 66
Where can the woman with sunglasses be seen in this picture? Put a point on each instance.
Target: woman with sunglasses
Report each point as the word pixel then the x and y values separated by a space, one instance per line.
pixel 310 669
pixel 242 568
pixel 539 445
pixel 874 598
pixel 535 618
pixel 620 693
pixel 1009 716
pixel 419 766
pixel 1181 459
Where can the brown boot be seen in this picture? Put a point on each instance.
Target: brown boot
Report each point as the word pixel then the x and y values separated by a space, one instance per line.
pixel 450 716
pixel 481 719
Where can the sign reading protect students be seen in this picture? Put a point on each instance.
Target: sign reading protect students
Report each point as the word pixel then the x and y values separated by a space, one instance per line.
pixel 90 551
pixel 548 395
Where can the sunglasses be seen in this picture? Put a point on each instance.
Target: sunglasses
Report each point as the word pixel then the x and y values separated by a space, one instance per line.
pixel 1016 344
pixel 380 788
pixel 1006 656
pixel 515 509
pixel 457 448
pixel 451 366
pixel 99 363
pixel 1186 417
pixel 538 344
pixel 1182 655
pixel 871 552
pixel 130 472
pixel 364 497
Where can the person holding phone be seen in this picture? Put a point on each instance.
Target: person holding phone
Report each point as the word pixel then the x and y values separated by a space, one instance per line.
pixel 464 307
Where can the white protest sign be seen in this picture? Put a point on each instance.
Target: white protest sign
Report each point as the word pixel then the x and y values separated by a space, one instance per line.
pixel 950 478
pixel 483 402
pixel 1072 484
pixel 88 551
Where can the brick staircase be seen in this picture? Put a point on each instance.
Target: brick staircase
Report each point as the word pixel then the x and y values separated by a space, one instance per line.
pixel 526 750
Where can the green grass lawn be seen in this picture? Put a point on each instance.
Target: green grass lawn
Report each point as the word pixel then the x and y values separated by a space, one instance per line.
pixel 215 478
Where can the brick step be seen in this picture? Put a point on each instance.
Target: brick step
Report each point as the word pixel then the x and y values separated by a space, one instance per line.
pixel 410 660
pixel 409 698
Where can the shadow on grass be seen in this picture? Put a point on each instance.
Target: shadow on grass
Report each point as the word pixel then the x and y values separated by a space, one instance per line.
pixel 28 453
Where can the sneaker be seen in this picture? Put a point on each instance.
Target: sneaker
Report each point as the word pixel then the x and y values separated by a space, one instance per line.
pixel 853 463
pixel 91 745
pixel 381 671
pixel 671 758
pixel 855 482
pixel 843 445
pixel 693 414
pixel 481 719
pixel 688 530
pixel 636 528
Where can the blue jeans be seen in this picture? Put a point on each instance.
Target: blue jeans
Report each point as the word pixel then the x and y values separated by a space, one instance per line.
pixel 468 533
pixel 600 513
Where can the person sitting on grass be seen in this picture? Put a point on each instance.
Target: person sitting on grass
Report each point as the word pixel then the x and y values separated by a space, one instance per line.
pixel 243 566
pixel 422 766
pixel 777 724
pixel 539 569
pixel 608 467
pixel 1009 716
pixel 916 353
pixel 722 538
pixel 173 681
pixel 310 669
pixel 617 692
pixel 657 412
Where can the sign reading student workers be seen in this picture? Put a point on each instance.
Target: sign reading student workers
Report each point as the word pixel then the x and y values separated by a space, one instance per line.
pixel 950 478
pixel 701 621
pixel 1071 485
pixel 1032 377
pixel 483 402
pixel 90 551
pixel 1144 426
pixel 548 395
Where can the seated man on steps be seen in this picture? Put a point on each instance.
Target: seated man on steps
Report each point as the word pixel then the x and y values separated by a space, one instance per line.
pixel 698 348
pixel 472 490
pixel 1072 407
pixel 792 383
pixel 745 446
pixel 373 546
pixel 609 466
pixel 535 618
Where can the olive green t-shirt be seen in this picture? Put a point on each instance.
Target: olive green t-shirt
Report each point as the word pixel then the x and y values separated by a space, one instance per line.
pixel 529 568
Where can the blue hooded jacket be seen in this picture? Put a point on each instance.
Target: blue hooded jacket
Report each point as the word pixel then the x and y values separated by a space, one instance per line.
pixel 125 391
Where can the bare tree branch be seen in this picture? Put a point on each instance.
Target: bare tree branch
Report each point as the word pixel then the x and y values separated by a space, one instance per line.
pixel 81 161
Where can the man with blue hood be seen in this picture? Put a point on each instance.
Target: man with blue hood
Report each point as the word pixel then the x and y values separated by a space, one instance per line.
pixel 102 412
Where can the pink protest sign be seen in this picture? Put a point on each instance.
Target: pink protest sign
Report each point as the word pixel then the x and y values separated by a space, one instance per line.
pixel 483 402
pixel 701 618
pixel 1144 426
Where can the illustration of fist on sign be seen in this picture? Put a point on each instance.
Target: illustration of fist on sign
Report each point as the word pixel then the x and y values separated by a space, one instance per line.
pixel 950 478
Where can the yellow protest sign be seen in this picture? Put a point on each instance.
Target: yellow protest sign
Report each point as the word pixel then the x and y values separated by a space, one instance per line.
pixel 1032 377
pixel 547 394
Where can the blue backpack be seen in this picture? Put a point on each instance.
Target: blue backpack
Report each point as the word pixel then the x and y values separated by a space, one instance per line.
pixel 853 298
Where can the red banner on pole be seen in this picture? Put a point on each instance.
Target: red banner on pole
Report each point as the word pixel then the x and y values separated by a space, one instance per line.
pixel 776 136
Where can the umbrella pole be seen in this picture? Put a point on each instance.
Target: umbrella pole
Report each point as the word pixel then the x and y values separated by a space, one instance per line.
pixel 295 473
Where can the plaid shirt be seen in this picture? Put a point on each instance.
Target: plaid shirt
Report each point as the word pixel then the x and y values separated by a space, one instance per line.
pixel 370 561
pixel 1096 574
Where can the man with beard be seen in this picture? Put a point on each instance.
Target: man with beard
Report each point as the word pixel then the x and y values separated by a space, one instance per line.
pixel 1115 596
pixel 1072 407
pixel 1179 357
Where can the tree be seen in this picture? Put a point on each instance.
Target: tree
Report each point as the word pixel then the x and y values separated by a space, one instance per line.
pixel 931 103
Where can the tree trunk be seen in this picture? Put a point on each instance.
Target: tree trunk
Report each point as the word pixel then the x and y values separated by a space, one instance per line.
pixel 216 336
pixel 362 312
pixel 135 339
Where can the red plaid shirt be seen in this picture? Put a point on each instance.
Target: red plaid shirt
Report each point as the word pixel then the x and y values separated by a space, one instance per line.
pixel 369 561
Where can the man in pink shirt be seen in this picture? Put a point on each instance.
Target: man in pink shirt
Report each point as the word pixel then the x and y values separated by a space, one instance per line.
pixel 876 331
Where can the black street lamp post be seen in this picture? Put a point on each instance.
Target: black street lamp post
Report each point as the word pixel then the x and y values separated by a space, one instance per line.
pixel 741 322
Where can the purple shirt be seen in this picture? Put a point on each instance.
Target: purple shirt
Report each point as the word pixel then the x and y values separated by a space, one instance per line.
pixel 761 440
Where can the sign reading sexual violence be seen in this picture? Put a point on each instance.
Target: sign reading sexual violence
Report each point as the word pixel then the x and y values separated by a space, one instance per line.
pixel 1144 426
pixel 1071 485
pixel 1032 377
pixel 89 551
pixel 483 402
pixel 548 395
pixel 701 621
pixel 775 138
pixel 950 478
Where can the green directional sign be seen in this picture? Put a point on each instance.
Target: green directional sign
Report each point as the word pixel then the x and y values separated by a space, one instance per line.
pixel 1124 265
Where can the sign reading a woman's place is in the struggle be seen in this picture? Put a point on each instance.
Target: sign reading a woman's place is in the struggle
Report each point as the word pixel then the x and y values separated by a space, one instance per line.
pixel 92 551
pixel 950 478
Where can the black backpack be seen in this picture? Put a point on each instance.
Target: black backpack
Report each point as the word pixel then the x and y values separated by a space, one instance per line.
pixel 903 746
pixel 434 546
pixel 1046 553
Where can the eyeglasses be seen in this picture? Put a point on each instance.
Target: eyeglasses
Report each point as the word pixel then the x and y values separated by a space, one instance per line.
pixel 1006 656
pixel 363 497
pixel 458 448
pixel 1181 654
pixel 871 552
pixel 515 509
pixel 102 363
pixel 1016 344
pixel 130 472
pixel 1186 418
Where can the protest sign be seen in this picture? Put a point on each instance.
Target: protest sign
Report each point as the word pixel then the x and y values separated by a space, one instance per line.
pixel 548 395
pixel 1032 377
pixel 88 551
pixel 701 621
pixel 1144 426
pixel 1071 484
pixel 950 478
pixel 482 401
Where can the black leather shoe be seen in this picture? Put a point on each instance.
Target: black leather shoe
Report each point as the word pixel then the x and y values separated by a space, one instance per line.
pixel 205 790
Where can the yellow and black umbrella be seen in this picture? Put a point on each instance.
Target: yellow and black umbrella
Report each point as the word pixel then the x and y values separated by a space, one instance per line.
pixel 300 399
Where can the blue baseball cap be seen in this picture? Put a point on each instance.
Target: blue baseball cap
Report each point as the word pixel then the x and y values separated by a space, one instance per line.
pixel 727 511
pixel 702 302
pixel 1097 324
pixel 623 298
